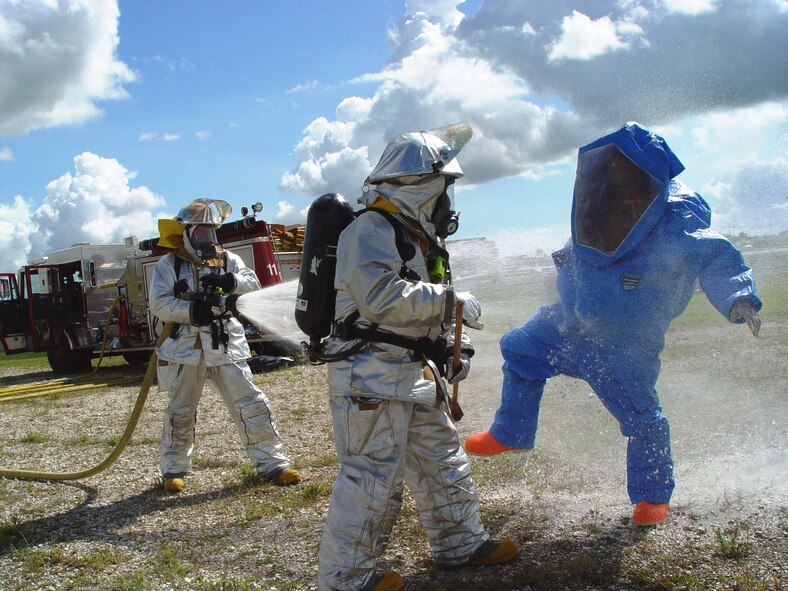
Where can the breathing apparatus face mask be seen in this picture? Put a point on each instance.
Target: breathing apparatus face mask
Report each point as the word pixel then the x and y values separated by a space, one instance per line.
pixel 444 217
pixel 201 242
pixel 611 195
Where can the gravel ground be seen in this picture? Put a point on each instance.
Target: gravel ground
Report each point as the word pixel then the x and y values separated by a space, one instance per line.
pixel 117 531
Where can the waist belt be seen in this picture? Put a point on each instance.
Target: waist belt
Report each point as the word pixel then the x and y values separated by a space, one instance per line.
pixel 348 330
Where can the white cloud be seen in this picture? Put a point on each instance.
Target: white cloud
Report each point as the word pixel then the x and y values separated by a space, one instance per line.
pixel 691 7
pixel 738 125
pixel 354 109
pixel 95 204
pixel 6 155
pixel 676 65
pixel 528 112
pixel 203 135
pixel 70 47
pixel 528 29
pixel 155 136
pixel 172 65
pixel 721 144
pixel 437 81
pixel 283 210
pixel 752 199
pixel 303 87
pixel 583 38
pixel 444 11
pixel 14 233
pixel 287 213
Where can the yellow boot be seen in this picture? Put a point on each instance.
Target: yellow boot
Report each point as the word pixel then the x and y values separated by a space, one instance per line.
pixel 391 581
pixel 173 485
pixel 286 477
pixel 490 552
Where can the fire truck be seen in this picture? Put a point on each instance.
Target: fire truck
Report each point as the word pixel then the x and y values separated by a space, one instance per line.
pixel 76 302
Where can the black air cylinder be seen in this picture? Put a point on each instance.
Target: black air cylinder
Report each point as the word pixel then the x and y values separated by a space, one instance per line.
pixel 328 215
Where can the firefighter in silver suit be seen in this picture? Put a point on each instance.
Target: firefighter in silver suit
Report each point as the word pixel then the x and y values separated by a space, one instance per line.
pixel 388 429
pixel 207 343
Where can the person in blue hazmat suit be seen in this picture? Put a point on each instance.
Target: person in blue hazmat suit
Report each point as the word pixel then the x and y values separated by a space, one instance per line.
pixel 207 343
pixel 388 428
pixel 640 241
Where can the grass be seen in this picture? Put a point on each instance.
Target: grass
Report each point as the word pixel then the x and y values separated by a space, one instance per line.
pixel 14 533
pixel 33 438
pixel 20 360
pixel 137 539
pixel 730 546
pixel 773 293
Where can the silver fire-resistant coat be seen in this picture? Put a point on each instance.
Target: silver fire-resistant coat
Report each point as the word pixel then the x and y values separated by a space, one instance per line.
pixel 171 309
pixel 367 279
pixel 387 428
pixel 188 359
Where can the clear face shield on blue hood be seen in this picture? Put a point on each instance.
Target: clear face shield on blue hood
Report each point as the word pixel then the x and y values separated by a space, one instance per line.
pixel 612 194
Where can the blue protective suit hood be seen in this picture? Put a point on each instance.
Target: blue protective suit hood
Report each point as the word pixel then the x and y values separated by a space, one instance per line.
pixel 651 154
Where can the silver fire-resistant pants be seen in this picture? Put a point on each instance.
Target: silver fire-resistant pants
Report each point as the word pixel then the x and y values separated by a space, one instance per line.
pixel 246 403
pixel 379 446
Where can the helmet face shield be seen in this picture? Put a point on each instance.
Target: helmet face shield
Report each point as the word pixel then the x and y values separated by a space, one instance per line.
pixel 204 211
pixel 611 195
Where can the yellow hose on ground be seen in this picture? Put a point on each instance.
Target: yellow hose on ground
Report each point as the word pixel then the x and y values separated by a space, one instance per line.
pixel 10 393
pixel 46 389
pixel 147 381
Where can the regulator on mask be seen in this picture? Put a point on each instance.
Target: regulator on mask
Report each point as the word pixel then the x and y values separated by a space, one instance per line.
pixel 201 242
pixel 445 219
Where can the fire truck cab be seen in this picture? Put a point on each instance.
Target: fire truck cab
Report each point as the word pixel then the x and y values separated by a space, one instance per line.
pixel 52 304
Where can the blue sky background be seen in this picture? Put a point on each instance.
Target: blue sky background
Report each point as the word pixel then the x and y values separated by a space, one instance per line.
pixel 114 114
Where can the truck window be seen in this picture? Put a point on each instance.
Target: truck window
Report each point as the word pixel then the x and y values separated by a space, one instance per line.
pixel 44 281
pixel 7 289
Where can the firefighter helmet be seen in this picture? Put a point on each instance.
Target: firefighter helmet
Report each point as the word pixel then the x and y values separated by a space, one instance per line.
pixel 421 153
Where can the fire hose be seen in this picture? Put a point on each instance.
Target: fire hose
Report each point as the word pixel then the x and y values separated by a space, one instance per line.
pixel 13 393
pixel 131 424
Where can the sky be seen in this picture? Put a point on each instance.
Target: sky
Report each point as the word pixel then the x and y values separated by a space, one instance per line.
pixel 113 114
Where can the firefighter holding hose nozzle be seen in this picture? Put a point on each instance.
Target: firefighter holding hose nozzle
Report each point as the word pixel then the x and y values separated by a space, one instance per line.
pixel 207 343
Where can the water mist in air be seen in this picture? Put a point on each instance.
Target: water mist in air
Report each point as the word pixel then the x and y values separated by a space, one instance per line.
pixel 271 310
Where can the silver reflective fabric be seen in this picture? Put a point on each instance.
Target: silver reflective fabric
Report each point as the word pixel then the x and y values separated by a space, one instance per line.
pixel 204 211
pixel 423 152
pixel 379 449
pixel 386 427
pixel 416 200
pixel 247 405
pixel 190 365
pixel 168 308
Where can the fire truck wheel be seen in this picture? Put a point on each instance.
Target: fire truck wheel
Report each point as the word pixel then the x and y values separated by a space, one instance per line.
pixel 65 360
pixel 137 357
